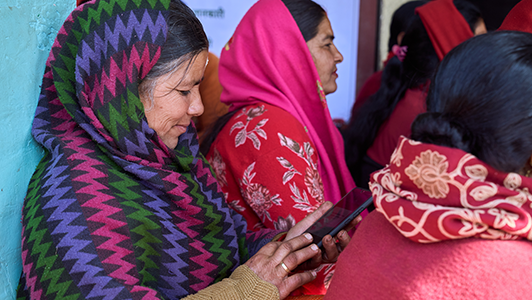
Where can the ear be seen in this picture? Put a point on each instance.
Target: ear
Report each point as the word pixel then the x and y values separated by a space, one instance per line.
pixel 400 37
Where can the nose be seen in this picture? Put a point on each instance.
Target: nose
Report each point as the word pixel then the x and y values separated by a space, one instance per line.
pixel 196 107
pixel 338 57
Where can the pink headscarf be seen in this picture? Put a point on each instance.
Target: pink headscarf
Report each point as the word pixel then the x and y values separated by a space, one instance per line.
pixel 267 61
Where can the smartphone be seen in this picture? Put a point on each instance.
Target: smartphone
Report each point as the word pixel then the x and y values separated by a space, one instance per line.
pixel 342 213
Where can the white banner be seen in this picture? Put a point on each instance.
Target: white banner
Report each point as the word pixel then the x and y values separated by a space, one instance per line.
pixel 220 18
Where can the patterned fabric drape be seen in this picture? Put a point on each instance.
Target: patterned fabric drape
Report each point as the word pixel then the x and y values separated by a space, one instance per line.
pixel 432 193
pixel 111 212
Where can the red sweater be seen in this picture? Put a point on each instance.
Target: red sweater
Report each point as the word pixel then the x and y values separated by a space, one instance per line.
pixel 380 263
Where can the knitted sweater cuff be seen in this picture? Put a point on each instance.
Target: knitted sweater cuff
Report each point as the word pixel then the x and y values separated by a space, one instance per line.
pixel 242 284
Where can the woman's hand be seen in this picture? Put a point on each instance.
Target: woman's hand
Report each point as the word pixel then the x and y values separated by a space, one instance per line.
pixel 268 262
pixel 332 246
pixel 304 224
pixel 274 262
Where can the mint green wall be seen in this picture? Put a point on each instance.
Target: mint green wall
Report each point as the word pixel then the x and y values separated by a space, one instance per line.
pixel 27 32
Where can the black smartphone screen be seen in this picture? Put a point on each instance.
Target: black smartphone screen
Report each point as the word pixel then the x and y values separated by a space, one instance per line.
pixel 343 212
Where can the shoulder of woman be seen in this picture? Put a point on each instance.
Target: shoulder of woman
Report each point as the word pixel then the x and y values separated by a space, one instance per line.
pixel 266 117
pixel 283 121
pixel 463 262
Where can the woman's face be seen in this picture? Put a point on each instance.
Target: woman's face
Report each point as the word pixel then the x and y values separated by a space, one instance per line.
pixel 325 55
pixel 176 99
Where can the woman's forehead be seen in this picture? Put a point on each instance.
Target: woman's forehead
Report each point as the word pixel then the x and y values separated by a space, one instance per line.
pixel 189 72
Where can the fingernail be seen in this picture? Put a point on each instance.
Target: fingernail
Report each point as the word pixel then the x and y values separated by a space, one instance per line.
pixel 313 273
pixel 308 236
pixel 314 247
pixel 341 234
pixel 328 239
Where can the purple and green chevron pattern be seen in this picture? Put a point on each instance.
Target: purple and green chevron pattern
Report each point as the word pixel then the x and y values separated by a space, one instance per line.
pixel 112 213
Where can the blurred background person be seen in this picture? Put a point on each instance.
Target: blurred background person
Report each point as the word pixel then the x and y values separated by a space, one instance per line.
pixel 400 21
pixel 210 91
pixel 374 130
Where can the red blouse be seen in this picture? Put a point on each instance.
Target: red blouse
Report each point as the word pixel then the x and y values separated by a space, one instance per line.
pixel 399 122
pixel 267 168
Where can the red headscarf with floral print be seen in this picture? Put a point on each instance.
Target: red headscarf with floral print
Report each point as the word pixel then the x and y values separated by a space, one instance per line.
pixel 432 193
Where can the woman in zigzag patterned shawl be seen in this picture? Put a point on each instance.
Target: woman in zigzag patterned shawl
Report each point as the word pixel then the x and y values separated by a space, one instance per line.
pixel 123 206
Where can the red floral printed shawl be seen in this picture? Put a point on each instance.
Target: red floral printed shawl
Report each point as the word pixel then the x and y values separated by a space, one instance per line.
pixel 268 61
pixel 432 193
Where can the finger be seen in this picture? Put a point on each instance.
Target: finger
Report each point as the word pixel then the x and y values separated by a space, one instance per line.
pixel 291 245
pixel 294 281
pixel 294 259
pixel 312 263
pixel 330 250
pixel 343 240
pixel 353 224
pixel 304 224
pixel 269 249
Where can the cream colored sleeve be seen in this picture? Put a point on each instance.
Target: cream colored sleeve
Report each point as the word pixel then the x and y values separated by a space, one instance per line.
pixel 242 284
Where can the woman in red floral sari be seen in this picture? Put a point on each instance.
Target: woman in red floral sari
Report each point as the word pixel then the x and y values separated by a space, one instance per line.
pixel 453 215
pixel 278 154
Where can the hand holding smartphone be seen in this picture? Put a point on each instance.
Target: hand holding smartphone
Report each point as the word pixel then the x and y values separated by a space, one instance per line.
pixel 341 214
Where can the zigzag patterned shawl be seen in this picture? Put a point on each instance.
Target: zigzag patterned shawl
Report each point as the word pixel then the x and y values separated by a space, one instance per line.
pixel 111 212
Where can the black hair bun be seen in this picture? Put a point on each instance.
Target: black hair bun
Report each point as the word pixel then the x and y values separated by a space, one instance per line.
pixel 443 130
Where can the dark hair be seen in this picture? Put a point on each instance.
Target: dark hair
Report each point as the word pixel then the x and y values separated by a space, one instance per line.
pixel 185 40
pixel 479 100
pixel 470 12
pixel 415 70
pixel 401 20
pixel 308 16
